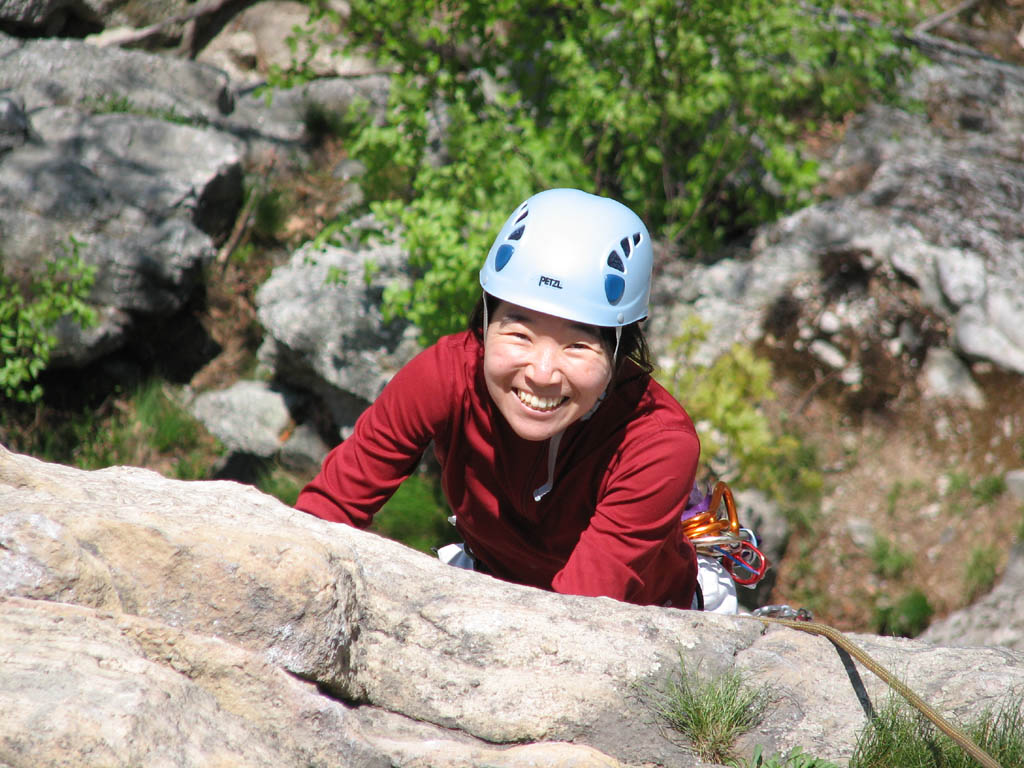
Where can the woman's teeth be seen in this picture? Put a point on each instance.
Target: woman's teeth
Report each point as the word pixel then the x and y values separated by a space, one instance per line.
pixel 539 403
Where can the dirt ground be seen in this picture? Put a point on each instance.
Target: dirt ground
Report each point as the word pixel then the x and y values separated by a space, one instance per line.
pixel 921 476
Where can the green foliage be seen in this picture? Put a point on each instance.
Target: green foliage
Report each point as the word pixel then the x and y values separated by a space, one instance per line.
pixel 448 213
pixel 144 427
pixel 724 399
pixel 280 484
pixel 416 515
pixel 898 737
pixel 167 426
pixel 906 617
pixel 28 315
pixel 119 104
pixel 711 712
pixel 795 758
pixel 890 562
pixel 691 113
pixel 988 489
pixel 980 571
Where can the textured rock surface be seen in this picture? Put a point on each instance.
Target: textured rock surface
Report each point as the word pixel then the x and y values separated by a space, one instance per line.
pixel 325 332
pixel 139 157
pixel 199 604
pixel 933 198
pixel 995 619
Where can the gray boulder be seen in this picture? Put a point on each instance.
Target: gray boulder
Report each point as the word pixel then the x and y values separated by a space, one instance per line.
pixel 138 196
pixel 54 72
pixel 139 158
pixel 996 619
pixel 179 619
pixel 101 171
pixel 46 14
pixel 249 416
pixel 324 329
pixel 929 199
pixel 258 419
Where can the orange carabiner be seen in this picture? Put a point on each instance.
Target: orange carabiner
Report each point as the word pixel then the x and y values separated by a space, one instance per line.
pixel 722 491
pixel 709 523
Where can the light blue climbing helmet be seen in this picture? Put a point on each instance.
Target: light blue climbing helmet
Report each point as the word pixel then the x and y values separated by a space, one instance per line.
pixel 573 255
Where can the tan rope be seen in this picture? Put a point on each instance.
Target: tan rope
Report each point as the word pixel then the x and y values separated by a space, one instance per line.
pixel 840 640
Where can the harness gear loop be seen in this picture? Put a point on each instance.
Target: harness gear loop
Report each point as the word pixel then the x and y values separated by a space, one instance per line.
pixel 720 535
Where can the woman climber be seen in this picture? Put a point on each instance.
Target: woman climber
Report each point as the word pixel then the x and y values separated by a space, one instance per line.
pixel 567 467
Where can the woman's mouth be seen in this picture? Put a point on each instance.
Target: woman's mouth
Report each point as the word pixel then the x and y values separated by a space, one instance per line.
pixel 539 403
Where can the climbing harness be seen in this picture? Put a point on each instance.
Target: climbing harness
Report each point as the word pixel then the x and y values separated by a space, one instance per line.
pixel 720 535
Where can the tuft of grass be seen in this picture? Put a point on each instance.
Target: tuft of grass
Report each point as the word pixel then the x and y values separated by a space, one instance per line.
pixel 416 515
pixel 892 498
pixel 121 104
pixel 167 425
pixel 280 484
pixel 958 481
pixel 711 712
pixel 980 571
pixel 988 489
pixel 795 758
pixel 890 562
pixel 907 617
pixel 899 736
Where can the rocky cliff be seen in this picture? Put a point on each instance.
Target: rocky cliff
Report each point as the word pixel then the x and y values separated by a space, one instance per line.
pixel 159 622
pixel 148 621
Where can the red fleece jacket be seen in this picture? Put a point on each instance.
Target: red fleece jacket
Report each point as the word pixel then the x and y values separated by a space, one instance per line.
pixel 609 526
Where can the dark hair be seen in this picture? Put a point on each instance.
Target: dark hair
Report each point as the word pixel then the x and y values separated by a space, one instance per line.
pixel 632 344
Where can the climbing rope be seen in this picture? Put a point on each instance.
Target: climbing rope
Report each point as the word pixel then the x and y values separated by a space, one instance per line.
pixel 840 640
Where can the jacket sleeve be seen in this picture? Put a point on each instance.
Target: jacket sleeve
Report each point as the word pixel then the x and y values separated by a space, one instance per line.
pixel 389 438
pixel 633 548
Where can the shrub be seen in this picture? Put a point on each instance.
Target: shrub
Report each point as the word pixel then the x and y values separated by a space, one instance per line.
pixel 889 560
pixel 906 617
pixel 28 315
pixel 737 440
pixel 690 113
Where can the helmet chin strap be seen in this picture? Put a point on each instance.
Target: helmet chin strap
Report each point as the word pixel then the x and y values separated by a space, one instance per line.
pixel 618 339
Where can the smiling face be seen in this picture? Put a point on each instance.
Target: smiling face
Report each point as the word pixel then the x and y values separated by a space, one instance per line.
pixel 543 372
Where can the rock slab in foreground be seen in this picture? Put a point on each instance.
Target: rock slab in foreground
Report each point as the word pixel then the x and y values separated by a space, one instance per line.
pixel 178 620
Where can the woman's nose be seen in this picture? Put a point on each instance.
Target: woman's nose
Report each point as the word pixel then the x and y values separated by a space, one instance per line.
pixel 543 365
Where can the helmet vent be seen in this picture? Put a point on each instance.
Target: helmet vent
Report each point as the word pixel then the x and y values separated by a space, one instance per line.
pixel 517 233
pixel 636 238
pixel 502 256
pixel 615 261
pixel 523 215
pixel 614 287
pixel 624 242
